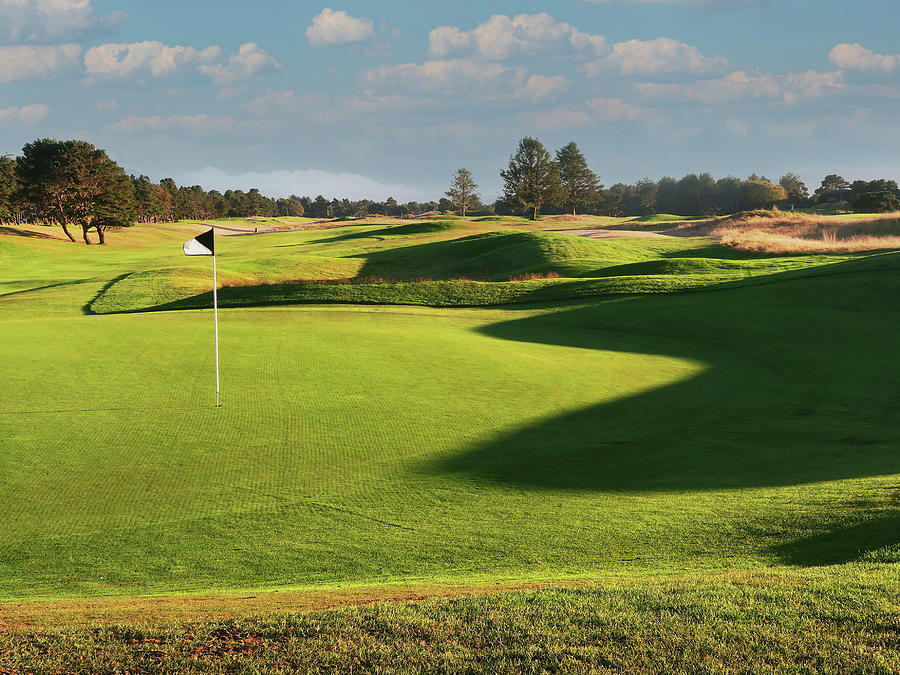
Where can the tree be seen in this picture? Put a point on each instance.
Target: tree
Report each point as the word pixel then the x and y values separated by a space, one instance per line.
pixel 728 194
pixel 831 184
pixel 882 201
pixel 760 194
pixel 289 207
pixel 532 177
pixel 463 192
pixel 9 186
pixel 645 193
pixel 579 183
pixel 796 190
pixel 74 183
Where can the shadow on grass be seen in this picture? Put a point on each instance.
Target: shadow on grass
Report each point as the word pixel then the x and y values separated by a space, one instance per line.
pixel 799 386
pixel 868 538
pixel 87 307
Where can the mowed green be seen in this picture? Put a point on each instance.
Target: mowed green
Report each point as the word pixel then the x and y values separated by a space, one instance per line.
pixel 736 427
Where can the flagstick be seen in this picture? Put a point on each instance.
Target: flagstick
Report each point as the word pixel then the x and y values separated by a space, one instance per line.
pixel 216 315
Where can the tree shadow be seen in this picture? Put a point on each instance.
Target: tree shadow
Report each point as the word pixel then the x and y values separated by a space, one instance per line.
pixel 796 388
pixel 863 536
pixel 87 307
pixel 27 233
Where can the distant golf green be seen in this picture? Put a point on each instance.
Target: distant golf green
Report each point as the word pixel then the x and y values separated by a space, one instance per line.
pixel 628 430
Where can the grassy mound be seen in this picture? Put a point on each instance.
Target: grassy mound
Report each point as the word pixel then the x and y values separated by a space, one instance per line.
pixel 829 621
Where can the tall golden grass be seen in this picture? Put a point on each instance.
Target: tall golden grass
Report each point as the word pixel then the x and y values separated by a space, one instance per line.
pixel 786 232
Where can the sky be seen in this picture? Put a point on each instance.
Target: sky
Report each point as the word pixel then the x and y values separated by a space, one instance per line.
pixel 378 98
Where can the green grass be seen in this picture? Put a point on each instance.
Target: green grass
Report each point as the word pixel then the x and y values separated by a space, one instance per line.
pixel 662 411
pixel 608 427
pixel 834 620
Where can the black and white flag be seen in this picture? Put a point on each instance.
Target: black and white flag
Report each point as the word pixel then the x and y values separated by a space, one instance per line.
pixel 202 244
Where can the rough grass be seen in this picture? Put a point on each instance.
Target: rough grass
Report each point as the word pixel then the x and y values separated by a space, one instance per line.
pixel 823 621
pixel 783 232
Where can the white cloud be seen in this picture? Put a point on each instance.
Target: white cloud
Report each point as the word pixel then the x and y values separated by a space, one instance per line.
pixel 107 105
pixel 502 37
pixel 392 103
pixel 338 28
pixel 593 111
pixel 154 59
pixel 196 125
pixel 248 62
pixel 47 20
pixel 790 88
pixel 450 77
pixel 149 57
pixel 856 57
pixel 28 114
pixel 656 57
pixel 613 109
pixel 31 62
pixel 303 182
pixel 541 86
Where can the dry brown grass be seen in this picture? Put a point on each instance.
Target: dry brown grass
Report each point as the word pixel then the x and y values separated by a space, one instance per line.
pixel 785 232
pixel 535 275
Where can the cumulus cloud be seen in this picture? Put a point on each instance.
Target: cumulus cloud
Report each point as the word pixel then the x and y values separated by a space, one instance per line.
pixel 249 61
pixel 36 62
pixel 308 181
pixel 656 57
pixel 790 88
pixel 502 37
pixel 593 111
pixel 331 27
pixel 47 20
pixel 28 114
pixel 155 59
pixel 856 57
pixel 541 86
pixel 196 125
pixel 149 57
pixel 449 77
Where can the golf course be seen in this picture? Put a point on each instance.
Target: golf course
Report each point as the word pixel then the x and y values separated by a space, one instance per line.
pixel 448 408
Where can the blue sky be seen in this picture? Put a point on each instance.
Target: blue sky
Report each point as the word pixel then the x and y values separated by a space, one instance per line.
pixel 376 98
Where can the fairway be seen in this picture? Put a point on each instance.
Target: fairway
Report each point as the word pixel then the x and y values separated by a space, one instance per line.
pixel 750 424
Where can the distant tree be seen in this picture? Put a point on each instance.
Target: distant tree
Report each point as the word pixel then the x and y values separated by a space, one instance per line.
pixel 861 187
pixel 728 194
pixel 831 184
pixel 579 183
pixel 153 201
pixel 796 190
pixel 883 201
pixel 74 183
pixel 10 209
pixel 391 207
pixel 289 207
pixel 532 177
pixel 667 195
pixel 645 194
pixel 760 194
pixel 319 207
pixel 463 192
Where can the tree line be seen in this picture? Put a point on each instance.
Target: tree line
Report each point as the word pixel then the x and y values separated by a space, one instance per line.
pixel 75 185
pixel 535 182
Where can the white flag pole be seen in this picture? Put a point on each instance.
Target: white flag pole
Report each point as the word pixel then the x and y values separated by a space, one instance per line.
pixel 216 320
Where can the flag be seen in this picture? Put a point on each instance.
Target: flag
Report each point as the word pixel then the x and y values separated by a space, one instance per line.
pixel 202 244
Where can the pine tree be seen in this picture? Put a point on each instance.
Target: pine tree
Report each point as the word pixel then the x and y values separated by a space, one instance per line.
pixel 74 183
pixel 579 182
pixel 532 177
pixel 463 191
